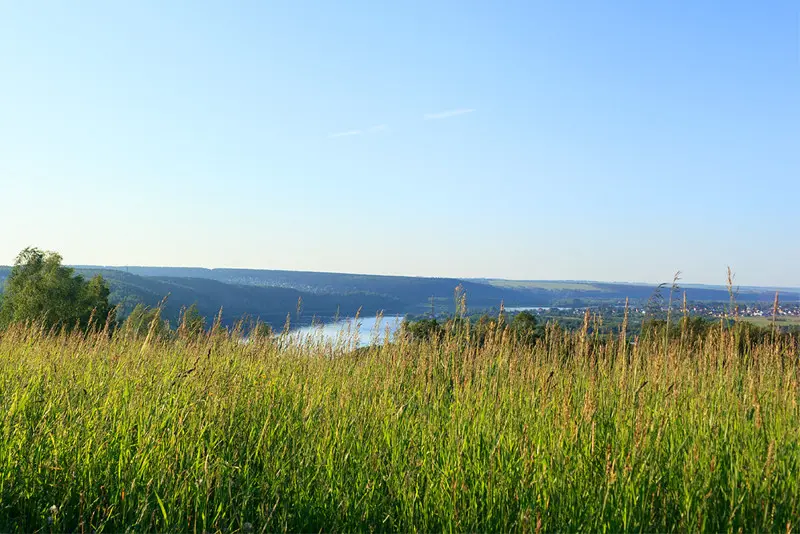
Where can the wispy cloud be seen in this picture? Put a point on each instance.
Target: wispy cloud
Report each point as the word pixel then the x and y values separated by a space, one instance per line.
pixel 346 133
pixel 447 114
pixel 378 128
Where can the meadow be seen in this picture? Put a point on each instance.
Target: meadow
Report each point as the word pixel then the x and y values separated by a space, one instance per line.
pixel 141 432
pixel 781 321
pixel 545 284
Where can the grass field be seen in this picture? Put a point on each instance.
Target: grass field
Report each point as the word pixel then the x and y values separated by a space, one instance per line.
pixel 211 434
pixel 550 285
pixel 780 321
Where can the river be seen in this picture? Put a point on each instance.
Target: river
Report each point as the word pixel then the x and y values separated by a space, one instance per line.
pixel 368 329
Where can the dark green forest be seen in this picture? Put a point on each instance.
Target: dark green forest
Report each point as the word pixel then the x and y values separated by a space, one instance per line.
pixel 305 297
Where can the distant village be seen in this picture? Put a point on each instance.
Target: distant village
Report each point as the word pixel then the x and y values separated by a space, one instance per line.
pixel 712 310
pixel 756 309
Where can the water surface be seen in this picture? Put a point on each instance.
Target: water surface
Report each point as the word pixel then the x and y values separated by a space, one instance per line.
pixel 366 329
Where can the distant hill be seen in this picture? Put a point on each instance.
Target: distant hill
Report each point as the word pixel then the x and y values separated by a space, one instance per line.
pixel 407 288
pixel 271 294
pixel 563 291
pixel 270 304
pixel 411 294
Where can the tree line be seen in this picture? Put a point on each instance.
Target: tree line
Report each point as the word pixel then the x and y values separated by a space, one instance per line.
pixel 40 290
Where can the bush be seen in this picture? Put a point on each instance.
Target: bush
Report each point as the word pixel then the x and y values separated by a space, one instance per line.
pixel 41 290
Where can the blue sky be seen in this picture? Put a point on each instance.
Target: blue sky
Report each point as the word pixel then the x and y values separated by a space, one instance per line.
pixel 532 140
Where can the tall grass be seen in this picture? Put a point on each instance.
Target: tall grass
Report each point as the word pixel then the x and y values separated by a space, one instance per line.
pixel 574 433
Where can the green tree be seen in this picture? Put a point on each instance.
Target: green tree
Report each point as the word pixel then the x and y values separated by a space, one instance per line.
pixel 192 322
pixel 483 326
pixel 524 326
pixel 143 319
pixel 40 289
pixel 96 307
pixel 262 331
pixel 424 329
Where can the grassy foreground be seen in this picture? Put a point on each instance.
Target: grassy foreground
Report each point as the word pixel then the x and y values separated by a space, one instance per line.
pixel 574 433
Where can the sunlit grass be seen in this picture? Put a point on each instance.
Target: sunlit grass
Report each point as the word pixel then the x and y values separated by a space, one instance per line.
pixel 102 434
pixel 781 321
pixel 545 284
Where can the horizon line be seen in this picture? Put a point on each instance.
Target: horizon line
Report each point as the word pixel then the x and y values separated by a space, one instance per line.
pixel 461 278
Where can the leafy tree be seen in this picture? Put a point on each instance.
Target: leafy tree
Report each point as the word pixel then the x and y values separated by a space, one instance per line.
pixel 262 331
pixel 96 308
pixel 40 289
pixel 423 329
pixel 192 322
pixel 482 327
pixel 142 319
pixel 524 326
